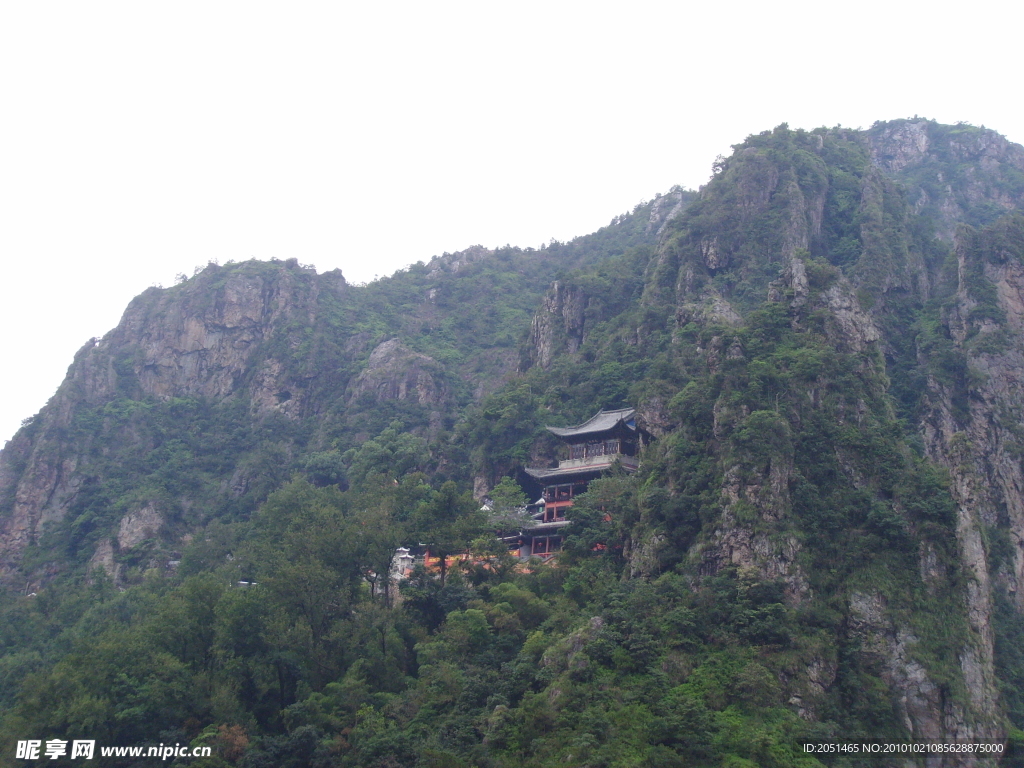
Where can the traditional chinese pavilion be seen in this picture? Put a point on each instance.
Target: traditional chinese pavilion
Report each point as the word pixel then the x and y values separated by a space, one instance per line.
pixel 591 447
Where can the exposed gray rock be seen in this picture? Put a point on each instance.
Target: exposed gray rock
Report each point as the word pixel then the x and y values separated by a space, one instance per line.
pixel 559 325
pixel 901 145
pixel 986 158
pixel 395 372
pixel 453 262
pixel 205 338
pixel 850 327
pixel 664 208
pixel 709 309
pixel 137 526
pixel 103 559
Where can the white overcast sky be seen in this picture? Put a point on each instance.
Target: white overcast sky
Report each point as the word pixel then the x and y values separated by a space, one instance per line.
pixel 141 139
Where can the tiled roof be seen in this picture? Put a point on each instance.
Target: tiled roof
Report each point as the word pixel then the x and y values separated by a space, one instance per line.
pixel 602 422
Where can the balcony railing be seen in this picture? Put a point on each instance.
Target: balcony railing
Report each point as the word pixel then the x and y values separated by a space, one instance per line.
pixel 605 458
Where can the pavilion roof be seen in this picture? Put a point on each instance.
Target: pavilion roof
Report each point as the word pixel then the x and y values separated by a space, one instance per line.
pixel 601 422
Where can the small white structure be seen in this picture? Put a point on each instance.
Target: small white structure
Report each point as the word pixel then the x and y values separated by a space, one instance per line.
pixel 401 564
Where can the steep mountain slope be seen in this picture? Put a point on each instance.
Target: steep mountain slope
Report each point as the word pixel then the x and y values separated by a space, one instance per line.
pixel 209 394
pixel 825 540
pixel 794 299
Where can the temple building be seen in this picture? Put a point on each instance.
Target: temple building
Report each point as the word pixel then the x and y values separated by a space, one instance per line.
pixel 591 449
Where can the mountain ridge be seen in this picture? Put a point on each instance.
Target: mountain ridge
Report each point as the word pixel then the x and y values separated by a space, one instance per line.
pixel 824 339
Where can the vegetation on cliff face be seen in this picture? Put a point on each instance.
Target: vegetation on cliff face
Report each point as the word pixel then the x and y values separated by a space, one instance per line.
pixel 823 541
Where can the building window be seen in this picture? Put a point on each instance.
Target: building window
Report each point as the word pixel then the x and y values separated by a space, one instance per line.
pixel 545 545
pixel 553 514
pixel 558 492
pixel 567 492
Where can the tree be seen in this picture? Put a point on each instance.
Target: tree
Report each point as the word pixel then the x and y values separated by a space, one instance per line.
pixel 325 468
pixel 447 523
pixel 508 507
pixel 393 453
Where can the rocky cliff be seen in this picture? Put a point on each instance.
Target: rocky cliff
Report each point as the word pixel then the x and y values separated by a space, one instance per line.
pixel 285 361
pixel 826 341
pixel 811 253
pixel 248 336
pixel 972 427
pixel 226 334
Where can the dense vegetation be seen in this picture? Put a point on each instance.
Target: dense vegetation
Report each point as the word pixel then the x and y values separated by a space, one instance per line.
pixel 741 594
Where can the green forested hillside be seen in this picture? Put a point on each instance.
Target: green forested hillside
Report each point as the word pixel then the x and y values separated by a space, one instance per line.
pixel 822 542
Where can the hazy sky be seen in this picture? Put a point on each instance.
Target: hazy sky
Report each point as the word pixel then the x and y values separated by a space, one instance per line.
pixel 140 140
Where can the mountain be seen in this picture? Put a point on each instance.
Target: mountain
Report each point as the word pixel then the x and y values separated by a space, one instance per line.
pixel 823 541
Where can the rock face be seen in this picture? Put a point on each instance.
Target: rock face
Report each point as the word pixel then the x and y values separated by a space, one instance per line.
pixel 567 313
pixel 919 699
pixel 559 325
pixel 203 338
pixel 203 345
pixel 225 334
pixel 762 214
pixel 979 444
pixel 38 480
pixel 397 373
pixel 135 528
pixel 949 174
pixel 454 262
pixel 665 208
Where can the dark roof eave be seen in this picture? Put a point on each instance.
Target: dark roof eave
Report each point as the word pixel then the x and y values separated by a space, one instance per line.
pixel 547 474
